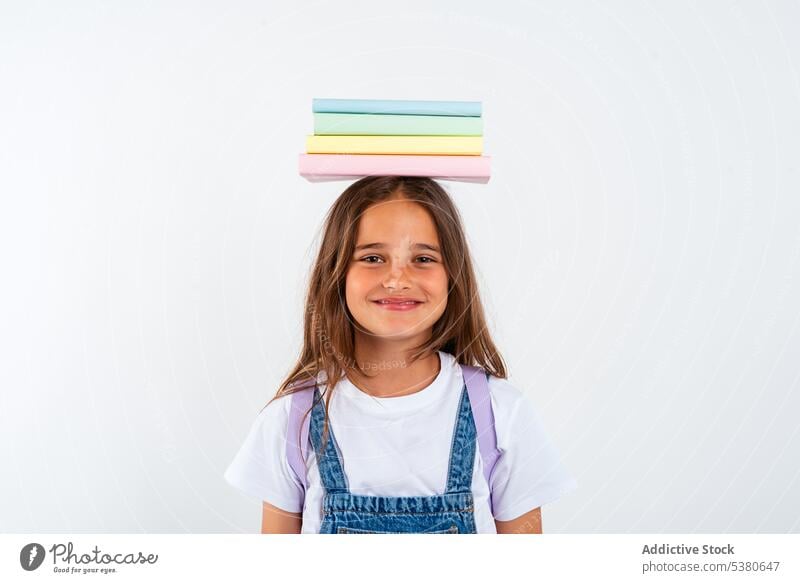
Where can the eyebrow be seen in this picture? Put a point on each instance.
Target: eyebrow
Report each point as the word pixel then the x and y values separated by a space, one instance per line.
pixel 382 245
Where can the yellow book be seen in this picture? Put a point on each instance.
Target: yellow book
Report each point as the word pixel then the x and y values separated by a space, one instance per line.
pixel 439 145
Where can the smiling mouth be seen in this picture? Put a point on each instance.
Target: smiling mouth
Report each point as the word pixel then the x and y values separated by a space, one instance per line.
pixel 397 306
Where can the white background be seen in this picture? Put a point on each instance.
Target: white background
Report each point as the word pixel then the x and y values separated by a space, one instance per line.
pixel 638 244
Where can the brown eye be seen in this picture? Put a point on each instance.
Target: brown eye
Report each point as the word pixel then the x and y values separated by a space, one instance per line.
pixel 369 257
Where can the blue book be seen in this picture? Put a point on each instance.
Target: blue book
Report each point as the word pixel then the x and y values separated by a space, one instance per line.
pixel 399 106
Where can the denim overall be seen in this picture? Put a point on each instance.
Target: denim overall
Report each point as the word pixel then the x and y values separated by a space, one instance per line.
pixel 346 513
pixel 448 513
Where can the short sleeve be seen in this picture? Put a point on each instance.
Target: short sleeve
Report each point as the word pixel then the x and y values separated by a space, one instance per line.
pixel 529 472
pixel 260 468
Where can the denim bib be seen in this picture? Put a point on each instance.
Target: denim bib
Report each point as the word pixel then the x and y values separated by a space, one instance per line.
pixel 448 513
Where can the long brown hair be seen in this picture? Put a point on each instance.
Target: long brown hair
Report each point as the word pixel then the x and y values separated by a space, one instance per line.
pixel 328 331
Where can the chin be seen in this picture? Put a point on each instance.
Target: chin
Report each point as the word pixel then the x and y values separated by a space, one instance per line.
pixel 394 332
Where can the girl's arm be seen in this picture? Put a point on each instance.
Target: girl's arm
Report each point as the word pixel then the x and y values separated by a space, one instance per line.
pixel 277 521
pixel 528 523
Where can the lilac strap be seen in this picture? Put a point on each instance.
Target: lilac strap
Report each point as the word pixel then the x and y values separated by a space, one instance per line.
pixel 481 402
pixel 297 432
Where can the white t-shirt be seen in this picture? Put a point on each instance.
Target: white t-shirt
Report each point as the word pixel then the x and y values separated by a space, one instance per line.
pixel 400 446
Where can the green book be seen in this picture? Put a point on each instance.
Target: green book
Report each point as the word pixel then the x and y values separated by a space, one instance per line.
pixel 373 124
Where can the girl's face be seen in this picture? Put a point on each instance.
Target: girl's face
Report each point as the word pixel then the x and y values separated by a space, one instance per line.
pixel 397 256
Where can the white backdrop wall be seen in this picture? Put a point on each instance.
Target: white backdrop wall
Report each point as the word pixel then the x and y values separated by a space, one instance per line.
pixel 638 244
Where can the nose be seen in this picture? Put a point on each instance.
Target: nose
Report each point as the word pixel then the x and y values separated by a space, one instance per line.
pixel 396 277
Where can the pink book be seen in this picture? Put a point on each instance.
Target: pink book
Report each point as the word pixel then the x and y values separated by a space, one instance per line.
pixel 324 167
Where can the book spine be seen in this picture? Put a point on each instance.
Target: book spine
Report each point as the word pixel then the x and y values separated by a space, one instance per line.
pixel 321 167
pixel 396 125
pixel 443 145
pixel 397 106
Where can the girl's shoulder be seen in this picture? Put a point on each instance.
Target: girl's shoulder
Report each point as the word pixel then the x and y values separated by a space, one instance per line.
pixel 279 408
pixel 274 416
pixel 510 404
pixel 504 392
pixel 504 389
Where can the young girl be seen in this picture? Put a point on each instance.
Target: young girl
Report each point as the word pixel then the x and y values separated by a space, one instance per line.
pixel 420 432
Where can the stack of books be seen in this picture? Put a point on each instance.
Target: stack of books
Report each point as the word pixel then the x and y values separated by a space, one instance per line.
pixel 367 137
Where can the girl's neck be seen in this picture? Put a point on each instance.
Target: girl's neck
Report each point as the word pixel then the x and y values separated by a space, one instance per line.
pixel 384 369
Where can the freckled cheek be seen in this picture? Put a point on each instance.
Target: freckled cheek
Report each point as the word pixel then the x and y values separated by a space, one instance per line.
pixel 436 286
pixel 359 285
